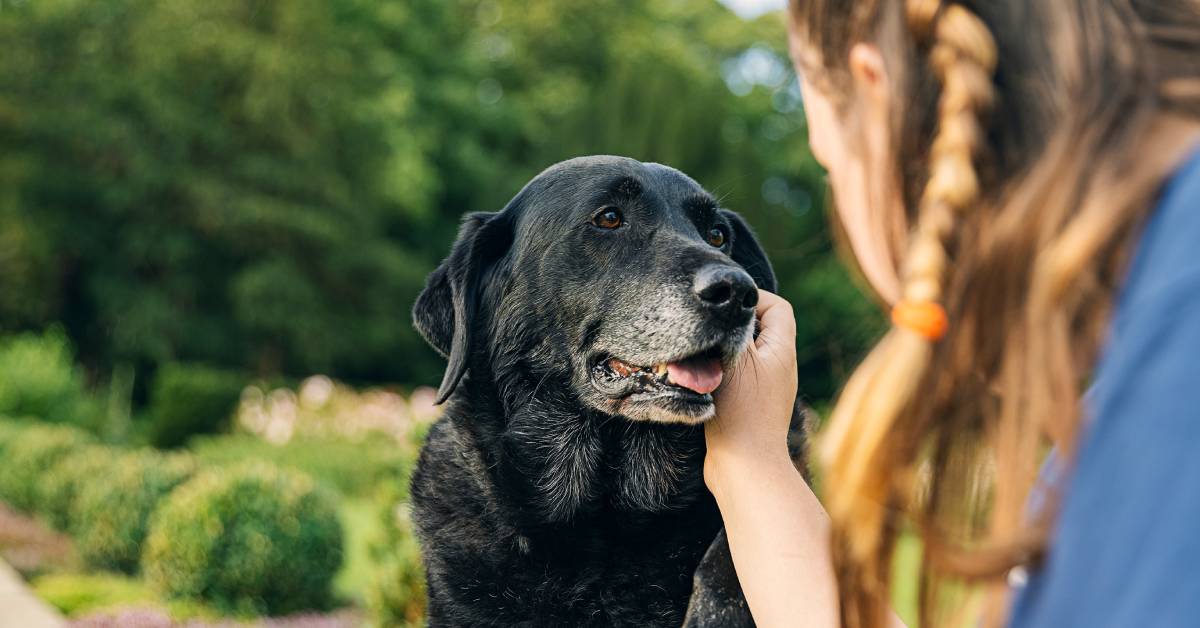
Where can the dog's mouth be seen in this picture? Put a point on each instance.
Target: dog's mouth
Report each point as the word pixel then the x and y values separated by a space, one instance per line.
pixel 700 374
pixel 686 381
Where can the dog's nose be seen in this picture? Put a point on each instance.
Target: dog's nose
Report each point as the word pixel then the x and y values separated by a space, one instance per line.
pixel 725 290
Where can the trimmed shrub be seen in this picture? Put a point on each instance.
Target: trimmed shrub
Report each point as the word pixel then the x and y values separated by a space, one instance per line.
pixel 60 486
pixel 29 453
pixel 111 517
pixel 190 399
pixel 251 540
pixel 38 377
pixel 396 590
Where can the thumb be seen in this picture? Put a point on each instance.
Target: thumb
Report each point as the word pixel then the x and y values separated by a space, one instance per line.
pixel 777 323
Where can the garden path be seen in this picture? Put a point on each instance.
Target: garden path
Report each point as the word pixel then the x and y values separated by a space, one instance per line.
pixel 19 607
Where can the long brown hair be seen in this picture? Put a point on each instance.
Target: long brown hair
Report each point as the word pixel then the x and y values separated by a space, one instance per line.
pixel 1033 138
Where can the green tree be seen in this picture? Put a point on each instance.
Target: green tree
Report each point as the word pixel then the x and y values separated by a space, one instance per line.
pixel 225 181
pixel 264 184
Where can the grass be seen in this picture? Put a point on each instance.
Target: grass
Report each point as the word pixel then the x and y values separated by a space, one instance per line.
pixel 76 594
pixel 906 563
pixel 354 468
pixel 361 524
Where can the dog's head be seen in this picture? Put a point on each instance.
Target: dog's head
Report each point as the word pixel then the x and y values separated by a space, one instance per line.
pixel 624 280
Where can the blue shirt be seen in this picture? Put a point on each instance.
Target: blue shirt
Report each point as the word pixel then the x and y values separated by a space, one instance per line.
pixel 1126 551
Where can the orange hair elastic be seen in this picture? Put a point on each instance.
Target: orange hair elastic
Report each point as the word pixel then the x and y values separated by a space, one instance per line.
pixel 925 318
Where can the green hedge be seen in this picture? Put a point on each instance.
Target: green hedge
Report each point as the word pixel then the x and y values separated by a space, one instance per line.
pixel 112 516
pixel 255 539
pixel 237 538
pixel 28 453
pixel 191 399
pixel 59 487
pixel 38 377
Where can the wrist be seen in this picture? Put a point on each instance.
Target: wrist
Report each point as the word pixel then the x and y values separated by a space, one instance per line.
pixel 727 471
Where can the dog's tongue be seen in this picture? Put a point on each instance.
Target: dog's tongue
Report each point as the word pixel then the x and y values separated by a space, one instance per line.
pixel 701 375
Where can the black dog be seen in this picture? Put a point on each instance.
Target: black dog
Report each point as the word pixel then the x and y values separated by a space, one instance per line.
pixel 586 326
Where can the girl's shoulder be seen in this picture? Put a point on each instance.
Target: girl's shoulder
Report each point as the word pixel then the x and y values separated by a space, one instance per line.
pixel 1167 263
pixel 1125 551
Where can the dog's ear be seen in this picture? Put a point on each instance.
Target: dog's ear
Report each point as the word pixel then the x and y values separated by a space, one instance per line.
pixel 749 253
pixel 446 308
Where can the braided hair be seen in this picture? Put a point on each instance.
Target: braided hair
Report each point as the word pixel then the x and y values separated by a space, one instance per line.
pixel 963 57
pixel 1030 141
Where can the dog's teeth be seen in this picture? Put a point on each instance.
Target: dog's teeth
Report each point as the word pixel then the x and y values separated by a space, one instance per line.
pixel 660 369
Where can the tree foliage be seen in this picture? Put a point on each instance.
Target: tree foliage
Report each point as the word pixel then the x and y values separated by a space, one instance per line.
pixel 264 184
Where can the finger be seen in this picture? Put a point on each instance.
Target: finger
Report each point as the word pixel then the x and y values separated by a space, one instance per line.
pixel 777 322
pixel 774 311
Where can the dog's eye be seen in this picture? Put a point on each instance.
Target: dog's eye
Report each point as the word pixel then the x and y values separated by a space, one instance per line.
pixel 717 237
pixel 608 218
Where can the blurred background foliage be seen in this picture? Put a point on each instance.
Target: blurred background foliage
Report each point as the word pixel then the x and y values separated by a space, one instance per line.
pixel 261 186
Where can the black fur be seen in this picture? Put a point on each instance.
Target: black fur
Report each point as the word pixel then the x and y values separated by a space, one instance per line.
pixel 548 495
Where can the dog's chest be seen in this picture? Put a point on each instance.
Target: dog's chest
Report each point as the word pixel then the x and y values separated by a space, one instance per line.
pixel 495 559
pixel 587 575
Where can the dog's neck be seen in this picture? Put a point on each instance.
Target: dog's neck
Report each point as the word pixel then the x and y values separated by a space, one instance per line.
pixel 565 463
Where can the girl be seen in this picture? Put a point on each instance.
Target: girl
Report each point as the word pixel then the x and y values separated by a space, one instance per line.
pixel 1020 182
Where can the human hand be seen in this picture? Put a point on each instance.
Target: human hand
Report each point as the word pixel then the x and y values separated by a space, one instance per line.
pixel 754 406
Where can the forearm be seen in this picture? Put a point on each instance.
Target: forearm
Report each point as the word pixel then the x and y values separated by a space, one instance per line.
pixel 778 532
pixel 779 537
